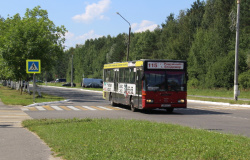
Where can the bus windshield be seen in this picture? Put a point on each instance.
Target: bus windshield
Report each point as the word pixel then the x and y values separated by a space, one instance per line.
pixel 164 81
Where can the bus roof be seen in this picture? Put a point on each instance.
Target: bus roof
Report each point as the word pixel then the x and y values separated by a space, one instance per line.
pixel 137 63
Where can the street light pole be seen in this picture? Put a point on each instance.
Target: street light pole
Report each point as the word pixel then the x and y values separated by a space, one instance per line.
pixel 128 33
pixel 236 87
pixel 72 71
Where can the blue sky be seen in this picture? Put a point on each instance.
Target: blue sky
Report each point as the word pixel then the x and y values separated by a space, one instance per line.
pixel 86 19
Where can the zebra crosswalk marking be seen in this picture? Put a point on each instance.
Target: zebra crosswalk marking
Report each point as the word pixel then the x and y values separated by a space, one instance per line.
pixel 70 108
pixel 119 108
pixel 57 108
pixel 112 108
pixel 81 108
pixel 40 108
pixel 33 108
pixel 109 108
pixel 73 108
pixel 98 108
pixel 65 108
pixel 89 108
pixel 105 108
pixel 48 108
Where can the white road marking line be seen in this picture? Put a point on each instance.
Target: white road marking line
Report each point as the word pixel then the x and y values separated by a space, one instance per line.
pixel 104 108
pixel 118 108
pixel 73 108
pixel 40 108
pixel 57 108
pixel 92 109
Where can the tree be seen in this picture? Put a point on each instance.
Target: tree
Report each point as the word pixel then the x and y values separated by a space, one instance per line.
pixel 146 45
pixel 34 36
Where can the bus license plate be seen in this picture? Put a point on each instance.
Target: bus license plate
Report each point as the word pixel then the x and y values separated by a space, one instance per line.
pixel 166 105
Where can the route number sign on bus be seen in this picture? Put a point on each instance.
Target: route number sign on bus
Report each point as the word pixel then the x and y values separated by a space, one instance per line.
pixel 165 65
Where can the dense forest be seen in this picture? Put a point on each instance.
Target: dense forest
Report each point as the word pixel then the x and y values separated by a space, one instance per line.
pixel 204 35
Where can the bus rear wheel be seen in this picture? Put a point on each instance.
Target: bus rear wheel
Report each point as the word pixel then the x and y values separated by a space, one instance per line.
pixel 132 106
pixel 112 101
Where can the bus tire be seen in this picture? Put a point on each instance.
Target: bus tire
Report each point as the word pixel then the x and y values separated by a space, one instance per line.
pixel 132 106
pixel 170 110
pixel 112 103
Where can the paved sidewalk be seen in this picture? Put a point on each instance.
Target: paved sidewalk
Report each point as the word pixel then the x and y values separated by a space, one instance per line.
pixel 17 142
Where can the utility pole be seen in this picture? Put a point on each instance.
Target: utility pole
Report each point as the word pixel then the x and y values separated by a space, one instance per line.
pixel 72 72
pixel 236 85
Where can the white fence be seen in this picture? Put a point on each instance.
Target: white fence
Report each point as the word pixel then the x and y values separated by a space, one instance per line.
pixel 20 84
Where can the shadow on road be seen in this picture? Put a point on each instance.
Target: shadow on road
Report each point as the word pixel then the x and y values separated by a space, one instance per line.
pixel 177 111
pixel 188 111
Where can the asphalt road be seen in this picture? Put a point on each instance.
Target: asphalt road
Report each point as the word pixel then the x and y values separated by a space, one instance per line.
pixel 212 117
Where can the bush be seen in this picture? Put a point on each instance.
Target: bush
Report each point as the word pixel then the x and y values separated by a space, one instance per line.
pixel 193 83
pixel 244 80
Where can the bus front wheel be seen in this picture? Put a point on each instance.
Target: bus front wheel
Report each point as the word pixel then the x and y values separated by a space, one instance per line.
pixel 170 110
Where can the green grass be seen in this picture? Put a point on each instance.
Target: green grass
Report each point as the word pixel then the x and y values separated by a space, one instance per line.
pixel 218 92
pixel 192 92
pixel 13 97
pixel 106 139
pixel 219 100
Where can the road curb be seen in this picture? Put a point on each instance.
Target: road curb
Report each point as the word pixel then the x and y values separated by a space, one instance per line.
pixel 219 103
pixel 46 103
pixel 74 88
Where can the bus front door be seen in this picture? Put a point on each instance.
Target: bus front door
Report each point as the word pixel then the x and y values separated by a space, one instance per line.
pixel 138 101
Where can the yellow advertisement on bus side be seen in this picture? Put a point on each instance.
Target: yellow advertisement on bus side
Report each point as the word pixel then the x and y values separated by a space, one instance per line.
pixel 116 65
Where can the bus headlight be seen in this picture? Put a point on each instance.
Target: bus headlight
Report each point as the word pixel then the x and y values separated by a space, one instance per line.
pixel 149 100
pixel 181 101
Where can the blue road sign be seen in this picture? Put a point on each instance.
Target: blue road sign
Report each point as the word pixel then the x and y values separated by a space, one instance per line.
pixel 33 66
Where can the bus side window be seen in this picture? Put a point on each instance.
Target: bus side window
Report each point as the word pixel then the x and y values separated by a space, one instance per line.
pixel 126 75
pixel 106 75
pixel 132 76
pixel 111 75
pixel 121 75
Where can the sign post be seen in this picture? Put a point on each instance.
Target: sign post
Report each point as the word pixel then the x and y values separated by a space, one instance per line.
pixel 34 87
pixel 33 67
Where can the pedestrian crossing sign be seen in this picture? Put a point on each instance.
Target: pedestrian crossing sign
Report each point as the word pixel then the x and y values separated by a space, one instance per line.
pixel 33 66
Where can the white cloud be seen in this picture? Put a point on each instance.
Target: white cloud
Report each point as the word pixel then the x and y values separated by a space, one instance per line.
pixel 69 35
pixel 72 39
pixel 143 26
pixel 93 11
pixel 90 35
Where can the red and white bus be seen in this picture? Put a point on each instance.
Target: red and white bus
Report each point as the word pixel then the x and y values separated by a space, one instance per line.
pixel 146 84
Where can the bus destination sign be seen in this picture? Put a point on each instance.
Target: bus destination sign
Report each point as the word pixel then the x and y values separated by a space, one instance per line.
pixel 165 65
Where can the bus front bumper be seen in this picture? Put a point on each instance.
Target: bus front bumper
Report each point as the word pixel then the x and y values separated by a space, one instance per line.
pixel 163 106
